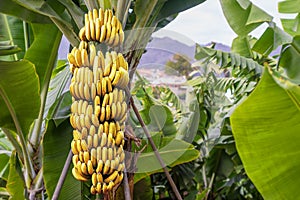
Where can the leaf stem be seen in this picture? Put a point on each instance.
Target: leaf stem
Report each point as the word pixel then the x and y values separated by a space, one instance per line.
pixel 161 162
pixel 26 35
pixel 9 34
pixel 63 176
pixel 27 160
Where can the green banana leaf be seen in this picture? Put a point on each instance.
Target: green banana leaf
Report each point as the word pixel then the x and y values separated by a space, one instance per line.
pixel 15 184
pixel 243 16
pixel 43 51
pixel 19 95
pixel 290 58
pixel 14 8
pixel 56 146
pixel 172 7
pixel 266 131
pixel 172 151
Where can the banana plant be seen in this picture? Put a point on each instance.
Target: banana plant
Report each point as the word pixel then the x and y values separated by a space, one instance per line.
pixel 33 84
pixel 265 124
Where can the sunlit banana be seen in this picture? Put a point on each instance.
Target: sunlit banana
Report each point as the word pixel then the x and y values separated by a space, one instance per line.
pixel 106 167
pixel 94 179
pixel 111 177
pixel 78 176
pixel 90 167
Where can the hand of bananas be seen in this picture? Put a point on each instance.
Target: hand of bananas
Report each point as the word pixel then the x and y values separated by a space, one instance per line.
pixel 98 110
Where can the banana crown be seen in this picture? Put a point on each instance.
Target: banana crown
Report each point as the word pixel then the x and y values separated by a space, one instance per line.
pixel 99 108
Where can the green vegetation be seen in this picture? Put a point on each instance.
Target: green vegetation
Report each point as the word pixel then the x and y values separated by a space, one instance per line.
pixel 234 136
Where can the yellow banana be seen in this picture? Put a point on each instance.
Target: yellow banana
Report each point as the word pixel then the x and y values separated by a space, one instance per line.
pixel 80 90
pixel 84 58
pixel 75 159
pixel 93 190
pixel 90 167
pixel 101 15
pixel 112 166
pixel 84 134
pixel 104 154
pixel 94 179
pixel 89 111
pixel 99 178
pixel 86 89
pixel 116 41
pixel 84 145
pixel 99 153
pixel 95 14
pixel 94 157
pixel 84 169
pixel 87 121
pixel 122 156
pixel 97 112
pixel 107 114
pixel 92 54
pixel 108 84
pixel 95 69
pixel 102 115
pixel 119 178
pixel 104 188
pixel 108 64
pixel 111 177
pixel 110 154
pixel 102 60
pixel 78 57
pixel 90 15
pixel 98 188
pixel 92 130
pixel 116 79
pixel 112 128
pixel 86 156
pixel 87 28
pixel 78 146
pixel 110 40
pixel 121 167
pixel 106 167
pixel 82 34
pixel 109 139
pixel 76 135
pixel 100 166
pixel 78 176
pixel 100 130
pixel 119 138
pixel 103 33
pixel 110 185
pixel 95 120
pixel 92 29
pixel 80 155
pixel 105 100
pixel 106 127
pixel 103 88
pixel 95 140
pixel 98 28
pixel 89 141
pixel 71 59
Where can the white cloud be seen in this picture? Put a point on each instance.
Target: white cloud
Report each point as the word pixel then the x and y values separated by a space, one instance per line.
pixel 206 22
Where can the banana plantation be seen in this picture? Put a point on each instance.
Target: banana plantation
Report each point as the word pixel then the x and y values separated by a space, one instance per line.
pixel 85 124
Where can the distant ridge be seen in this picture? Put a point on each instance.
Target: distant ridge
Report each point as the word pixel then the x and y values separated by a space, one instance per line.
pixel 160 50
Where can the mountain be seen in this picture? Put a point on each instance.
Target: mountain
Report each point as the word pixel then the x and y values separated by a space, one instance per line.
pixel 160 50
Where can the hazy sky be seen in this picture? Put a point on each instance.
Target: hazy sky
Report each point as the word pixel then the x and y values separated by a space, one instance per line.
pixel 206 22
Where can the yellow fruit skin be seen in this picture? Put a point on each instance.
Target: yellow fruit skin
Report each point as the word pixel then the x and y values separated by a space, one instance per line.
pixel 98 110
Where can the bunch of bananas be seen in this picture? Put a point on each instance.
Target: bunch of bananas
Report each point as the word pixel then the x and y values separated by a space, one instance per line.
pixel 102 26
pixel 98 110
